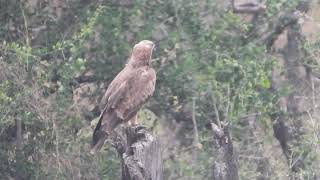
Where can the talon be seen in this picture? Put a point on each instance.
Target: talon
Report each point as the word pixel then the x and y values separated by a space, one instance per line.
pixel 139 127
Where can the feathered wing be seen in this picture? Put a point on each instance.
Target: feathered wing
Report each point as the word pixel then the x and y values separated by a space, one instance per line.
pixel 114 85
pixel 125 96
pixel 140 87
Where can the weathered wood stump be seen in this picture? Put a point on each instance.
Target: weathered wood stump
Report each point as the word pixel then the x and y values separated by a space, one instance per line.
pixel 141 155
pixel 225 163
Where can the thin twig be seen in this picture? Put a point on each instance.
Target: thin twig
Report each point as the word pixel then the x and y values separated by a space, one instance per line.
pixel 216 109
pixel 5 115
pixel 55 129
pixel 313 92
pixel 194 121
pixel 228 103
pixel 26 35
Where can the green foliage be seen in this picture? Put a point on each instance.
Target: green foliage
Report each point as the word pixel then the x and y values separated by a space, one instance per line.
pixel 276 6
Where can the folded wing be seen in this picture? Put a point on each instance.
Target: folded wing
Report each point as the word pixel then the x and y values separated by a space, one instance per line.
pixel 124 97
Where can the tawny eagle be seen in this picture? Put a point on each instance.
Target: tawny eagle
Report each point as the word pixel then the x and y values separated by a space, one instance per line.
pixel 126 94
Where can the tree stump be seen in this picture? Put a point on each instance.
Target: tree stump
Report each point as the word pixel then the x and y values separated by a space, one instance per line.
pixel 141 155
pixel 224 165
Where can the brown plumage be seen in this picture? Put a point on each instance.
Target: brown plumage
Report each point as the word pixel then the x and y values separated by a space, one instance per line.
pixel 126 94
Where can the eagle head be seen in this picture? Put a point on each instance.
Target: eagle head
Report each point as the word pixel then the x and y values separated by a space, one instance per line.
pixel 142 53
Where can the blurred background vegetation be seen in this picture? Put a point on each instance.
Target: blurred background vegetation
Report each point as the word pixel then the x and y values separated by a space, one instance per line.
pixel 257 71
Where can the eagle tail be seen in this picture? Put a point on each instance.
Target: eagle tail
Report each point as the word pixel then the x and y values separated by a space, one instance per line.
pixel 98 140
pixel 101 132
pixel 98 137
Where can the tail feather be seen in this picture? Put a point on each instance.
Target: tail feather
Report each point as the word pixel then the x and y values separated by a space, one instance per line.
pixel 101 132
pixel 99 138
pixel 96 133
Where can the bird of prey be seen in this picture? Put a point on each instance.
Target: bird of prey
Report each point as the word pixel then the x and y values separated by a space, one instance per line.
pixel 126 94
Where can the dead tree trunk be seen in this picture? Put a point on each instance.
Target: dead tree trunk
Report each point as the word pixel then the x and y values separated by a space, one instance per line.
pixel 19 154
pixel 288 126
pixel 141 155
pixel 224 165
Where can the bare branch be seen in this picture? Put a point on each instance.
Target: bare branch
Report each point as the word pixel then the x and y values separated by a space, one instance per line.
pixel 270 35
pixel 196 142
pixel 228 103
pixel 216 110
pixel 248 8
pixel 279 27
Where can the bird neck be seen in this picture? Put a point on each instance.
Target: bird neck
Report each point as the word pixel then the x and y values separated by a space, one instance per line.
pixel 138 63
pixel 140 57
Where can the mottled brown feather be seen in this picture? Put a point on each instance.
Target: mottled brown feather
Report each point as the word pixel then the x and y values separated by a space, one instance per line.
pixel 127 93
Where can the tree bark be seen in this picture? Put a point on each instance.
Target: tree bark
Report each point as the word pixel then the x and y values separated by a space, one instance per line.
pixel 289 129
pixel 224 165
pixel 141 155
pixel 19 155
